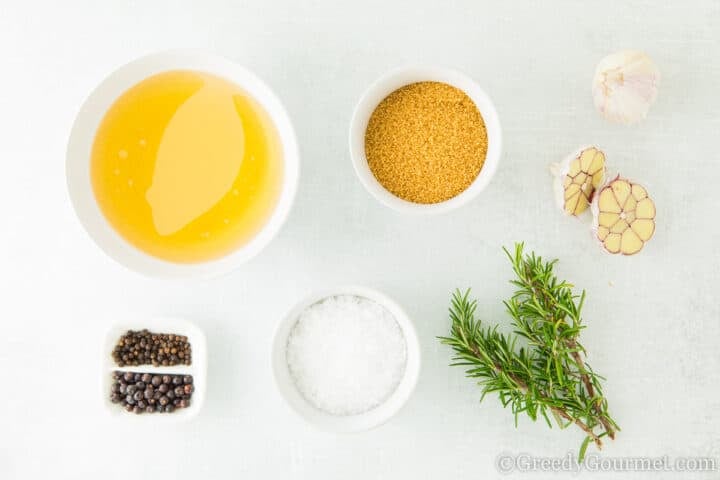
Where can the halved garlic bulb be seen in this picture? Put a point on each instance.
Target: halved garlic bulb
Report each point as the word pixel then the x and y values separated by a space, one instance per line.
pixel 576 179
pixel 624 216
pixel 625 85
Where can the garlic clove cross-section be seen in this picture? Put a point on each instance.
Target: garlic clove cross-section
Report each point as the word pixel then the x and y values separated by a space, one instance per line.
pixel 624 216
pixel 625 86
pixel 576 179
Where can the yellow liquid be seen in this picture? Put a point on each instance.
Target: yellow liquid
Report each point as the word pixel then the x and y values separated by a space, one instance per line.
pixel 186 166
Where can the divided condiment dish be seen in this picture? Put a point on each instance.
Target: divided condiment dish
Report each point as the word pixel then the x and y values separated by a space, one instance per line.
pixel 197 368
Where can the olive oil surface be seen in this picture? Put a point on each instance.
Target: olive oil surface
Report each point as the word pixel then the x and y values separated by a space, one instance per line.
pixel 186 166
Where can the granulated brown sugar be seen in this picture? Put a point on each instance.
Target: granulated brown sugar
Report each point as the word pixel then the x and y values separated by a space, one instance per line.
pixel 426 142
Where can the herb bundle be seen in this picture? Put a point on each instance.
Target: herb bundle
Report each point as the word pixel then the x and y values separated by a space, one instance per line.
pixel 539 368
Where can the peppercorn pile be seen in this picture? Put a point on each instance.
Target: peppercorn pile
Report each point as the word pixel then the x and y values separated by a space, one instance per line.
pixel 147 393
pixel 142 347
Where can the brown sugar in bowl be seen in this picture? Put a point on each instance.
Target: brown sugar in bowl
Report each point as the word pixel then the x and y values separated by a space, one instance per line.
pixel 425 139
pixel 426 142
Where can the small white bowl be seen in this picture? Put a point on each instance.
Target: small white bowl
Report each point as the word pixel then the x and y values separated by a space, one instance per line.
pixel 82 137
pixel 346 423
pixel 198 367
pixel 396 79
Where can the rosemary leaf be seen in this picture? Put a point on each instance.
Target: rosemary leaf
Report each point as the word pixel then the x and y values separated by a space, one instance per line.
pixel 549 373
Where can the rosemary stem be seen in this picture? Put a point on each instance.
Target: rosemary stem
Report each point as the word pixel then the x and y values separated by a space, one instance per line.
pixel 548 374
pixel 524 388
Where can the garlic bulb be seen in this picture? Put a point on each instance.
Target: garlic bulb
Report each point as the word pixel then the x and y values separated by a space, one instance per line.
pixel 625 85
pixel 576 179
pixel 623 216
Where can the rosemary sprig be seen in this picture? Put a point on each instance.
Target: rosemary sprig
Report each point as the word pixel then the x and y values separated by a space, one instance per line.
pixel 539 368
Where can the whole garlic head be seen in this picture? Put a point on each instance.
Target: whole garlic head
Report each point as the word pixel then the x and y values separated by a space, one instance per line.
pixel 625 85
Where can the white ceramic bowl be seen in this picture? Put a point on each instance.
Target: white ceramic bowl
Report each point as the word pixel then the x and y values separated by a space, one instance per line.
pixel 346 423
pixel 198 368
pixel 83 135
pixel 399 78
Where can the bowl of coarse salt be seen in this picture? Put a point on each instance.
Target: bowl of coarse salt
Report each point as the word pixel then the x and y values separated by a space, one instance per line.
pixel 346 359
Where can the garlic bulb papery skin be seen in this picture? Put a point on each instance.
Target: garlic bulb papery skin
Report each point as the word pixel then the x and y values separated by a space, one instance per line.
pixel 576 179
pixel 623 216
pixel 625 85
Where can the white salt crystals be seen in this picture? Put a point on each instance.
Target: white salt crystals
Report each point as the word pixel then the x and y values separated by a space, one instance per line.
pixel 346 354
pixel 346 359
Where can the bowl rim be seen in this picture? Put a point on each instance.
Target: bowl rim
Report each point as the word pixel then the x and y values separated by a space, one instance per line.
pixel 402 76
pixel 82 134
pixel 347 423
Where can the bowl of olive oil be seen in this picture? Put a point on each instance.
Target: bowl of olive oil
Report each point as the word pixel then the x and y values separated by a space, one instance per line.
pixel 182 164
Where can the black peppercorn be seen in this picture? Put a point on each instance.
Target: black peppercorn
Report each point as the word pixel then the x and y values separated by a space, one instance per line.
pixel 144 348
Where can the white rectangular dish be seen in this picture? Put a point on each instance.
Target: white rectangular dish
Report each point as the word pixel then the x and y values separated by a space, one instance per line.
pixel 197 368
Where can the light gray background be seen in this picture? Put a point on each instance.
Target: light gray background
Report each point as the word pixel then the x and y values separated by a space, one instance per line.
pixel 652 320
